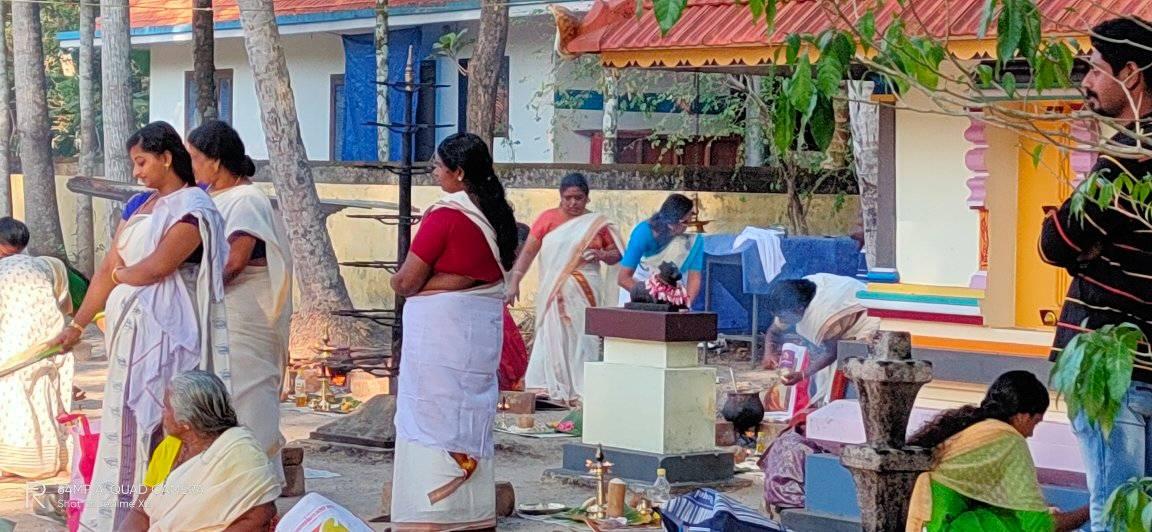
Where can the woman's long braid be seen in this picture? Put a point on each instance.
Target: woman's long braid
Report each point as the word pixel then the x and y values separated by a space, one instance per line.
pixel 489 196
pixel 468 152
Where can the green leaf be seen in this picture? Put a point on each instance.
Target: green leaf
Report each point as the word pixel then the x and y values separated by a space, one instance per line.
pixel 829 73
pixel 1008 81
pixel 1037 154
pixel 1009 30
pixel 783 126
pixel 757 7
pixel 867 27
pixel 802 89
pixel 842 48
pixel 986 19
pixel 823 124
pixel 770 7
pixel 792 48
pixel 667 13
pixel 985 73
pixel 1146 517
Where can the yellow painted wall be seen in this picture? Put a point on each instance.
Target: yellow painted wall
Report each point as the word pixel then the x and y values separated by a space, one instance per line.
pixel 370 240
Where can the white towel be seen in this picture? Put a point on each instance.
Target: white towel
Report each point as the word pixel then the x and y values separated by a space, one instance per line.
pixel 768 244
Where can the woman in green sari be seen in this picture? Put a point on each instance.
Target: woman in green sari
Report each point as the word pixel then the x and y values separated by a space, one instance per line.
pixel 983 477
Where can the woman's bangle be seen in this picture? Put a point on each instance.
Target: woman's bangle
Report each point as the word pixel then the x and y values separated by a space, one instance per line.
pixel 114 279
pixel 77 326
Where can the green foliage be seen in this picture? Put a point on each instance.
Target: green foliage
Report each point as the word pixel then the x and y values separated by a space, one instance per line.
pixel 1093 373
pixel 1129 508
pixel 667 13
pixel 63 82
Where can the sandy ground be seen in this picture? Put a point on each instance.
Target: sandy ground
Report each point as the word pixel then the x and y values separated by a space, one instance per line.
pixel 519 460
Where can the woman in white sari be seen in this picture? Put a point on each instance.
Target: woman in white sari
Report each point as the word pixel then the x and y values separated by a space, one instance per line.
pixel 257 280
pixel 161 285
pixel 33 300
pixel 575 247
pixel 453 329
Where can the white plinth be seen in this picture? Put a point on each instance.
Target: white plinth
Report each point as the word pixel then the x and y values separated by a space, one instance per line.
pixel 664 410
pixel 651 354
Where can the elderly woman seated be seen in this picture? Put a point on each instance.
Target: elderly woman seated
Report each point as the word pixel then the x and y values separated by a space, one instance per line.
pixel 222 479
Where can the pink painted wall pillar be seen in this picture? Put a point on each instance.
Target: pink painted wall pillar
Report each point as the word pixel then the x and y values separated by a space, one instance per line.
pixel 976 162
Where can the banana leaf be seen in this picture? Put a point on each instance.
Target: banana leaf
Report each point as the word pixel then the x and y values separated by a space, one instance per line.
pixel 29 357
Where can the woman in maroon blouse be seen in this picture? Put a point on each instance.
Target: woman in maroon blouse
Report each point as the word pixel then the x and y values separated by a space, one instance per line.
pixel 453 328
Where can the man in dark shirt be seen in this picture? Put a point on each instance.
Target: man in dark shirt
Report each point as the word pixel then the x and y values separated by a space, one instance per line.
pixel 1108 252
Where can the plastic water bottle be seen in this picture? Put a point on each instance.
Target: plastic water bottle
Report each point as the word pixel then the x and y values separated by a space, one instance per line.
pixel 661 490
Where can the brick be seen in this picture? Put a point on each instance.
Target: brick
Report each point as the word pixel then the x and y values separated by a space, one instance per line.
pixel 519 402
pixel 725 434
pixel 364 385
pixel 291 456
pixel 505 499
pixel 293 481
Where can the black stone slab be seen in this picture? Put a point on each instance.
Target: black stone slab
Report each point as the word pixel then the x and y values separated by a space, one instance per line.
pixel 639 466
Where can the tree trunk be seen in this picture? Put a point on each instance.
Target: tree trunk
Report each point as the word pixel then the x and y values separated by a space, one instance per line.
pixel 41 212
pixel 116 88
pixel 865 123
pixel 753 125
pixel 381 41
pixel 5 119
pixel 611 117
pixel 204 62
pixel 485 68
pixel 322 288
pixel 797 215
pixel 85 251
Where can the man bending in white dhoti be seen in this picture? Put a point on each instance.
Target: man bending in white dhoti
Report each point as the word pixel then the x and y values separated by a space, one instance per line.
pixel 824 310
pixel 33 300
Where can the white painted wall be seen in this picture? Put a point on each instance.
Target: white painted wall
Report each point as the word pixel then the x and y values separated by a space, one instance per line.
pixel 937 235
pixel 312 59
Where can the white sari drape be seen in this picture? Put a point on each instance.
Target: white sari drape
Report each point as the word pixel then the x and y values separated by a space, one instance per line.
pixel 33 299
pixel 569 286
pixel 155 332
pixel 259 305
pixel 214 488
pixel 835 300
pixel 447 402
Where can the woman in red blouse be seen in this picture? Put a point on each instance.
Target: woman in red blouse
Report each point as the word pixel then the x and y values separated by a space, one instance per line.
pixel 453 332
pixel 575 247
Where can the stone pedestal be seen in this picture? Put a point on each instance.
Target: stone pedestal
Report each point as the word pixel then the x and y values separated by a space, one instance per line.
pixel 370 426
pixel 885 469
pixel 649 403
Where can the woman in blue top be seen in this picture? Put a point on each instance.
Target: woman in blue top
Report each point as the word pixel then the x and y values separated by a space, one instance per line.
pixel 660 239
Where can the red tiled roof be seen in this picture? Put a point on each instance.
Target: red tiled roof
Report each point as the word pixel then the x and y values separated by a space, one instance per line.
pixel 611 25
pixel 161 13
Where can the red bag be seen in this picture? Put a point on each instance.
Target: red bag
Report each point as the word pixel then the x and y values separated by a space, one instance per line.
pixel 85 445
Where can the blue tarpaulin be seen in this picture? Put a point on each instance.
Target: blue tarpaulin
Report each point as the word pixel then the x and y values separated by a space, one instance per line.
pixel 732 276
pixel 359 135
